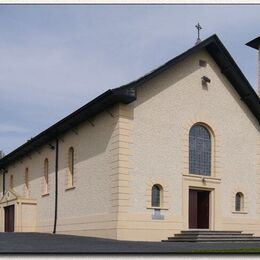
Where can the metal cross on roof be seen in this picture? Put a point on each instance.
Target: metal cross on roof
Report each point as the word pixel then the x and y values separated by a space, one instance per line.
pixel 198 28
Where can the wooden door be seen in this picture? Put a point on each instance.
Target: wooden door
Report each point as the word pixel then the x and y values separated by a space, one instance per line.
pixel 203 209
pixel 9 218
pixel 198 209
pixel 193 209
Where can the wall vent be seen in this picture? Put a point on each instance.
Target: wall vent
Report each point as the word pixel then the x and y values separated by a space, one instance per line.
pixel 202 63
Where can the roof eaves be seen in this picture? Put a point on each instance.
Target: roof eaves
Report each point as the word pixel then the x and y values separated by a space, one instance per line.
pixel 95 106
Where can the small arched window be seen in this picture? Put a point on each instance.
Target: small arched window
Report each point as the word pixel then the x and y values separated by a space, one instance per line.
pixel 71 167
pixel 156 195
pixel 46 177
pixel 199 150
pixel 239 201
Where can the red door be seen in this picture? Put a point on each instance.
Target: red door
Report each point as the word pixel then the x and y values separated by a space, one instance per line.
pixel 198 209
pixel 9 218
pixel 203 209
pixel 193 209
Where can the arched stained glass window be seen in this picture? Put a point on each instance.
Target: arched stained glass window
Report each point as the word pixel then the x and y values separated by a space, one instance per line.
pixel 156 196
pixel 199 150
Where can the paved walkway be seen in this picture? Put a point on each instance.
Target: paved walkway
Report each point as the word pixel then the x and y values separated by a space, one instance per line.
pixel 49 243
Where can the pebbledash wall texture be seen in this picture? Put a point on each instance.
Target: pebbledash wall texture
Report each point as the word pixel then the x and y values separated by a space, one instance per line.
pixel 126 149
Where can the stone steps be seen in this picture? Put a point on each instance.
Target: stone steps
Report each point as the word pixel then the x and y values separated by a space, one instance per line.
pixel 210 232
pixel 209 236
pixel 212 236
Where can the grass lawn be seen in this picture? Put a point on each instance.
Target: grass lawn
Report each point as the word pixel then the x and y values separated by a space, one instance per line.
pixel 228 251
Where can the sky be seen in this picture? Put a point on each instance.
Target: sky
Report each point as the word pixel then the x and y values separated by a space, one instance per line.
pixel 56 58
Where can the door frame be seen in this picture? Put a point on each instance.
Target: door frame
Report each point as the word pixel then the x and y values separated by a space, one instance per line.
pixel 211 184
pixel 211 206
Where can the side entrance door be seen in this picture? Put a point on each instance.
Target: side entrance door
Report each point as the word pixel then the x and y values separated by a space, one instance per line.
pixel 198 209
pixel 9 218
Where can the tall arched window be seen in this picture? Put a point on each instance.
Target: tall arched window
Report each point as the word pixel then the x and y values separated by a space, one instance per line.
pixel 199 150
pixel 71 167
pixel 239 201
pixel 156 195
pixel 26 182
pixel 46 177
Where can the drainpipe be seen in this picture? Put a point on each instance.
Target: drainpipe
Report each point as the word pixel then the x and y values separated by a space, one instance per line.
pixel 56 184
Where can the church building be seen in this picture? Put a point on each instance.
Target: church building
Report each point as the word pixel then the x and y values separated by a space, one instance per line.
pixel 176 150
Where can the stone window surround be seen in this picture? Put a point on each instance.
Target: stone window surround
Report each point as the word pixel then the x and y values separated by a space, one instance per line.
pixel 164 204
pixel 244 209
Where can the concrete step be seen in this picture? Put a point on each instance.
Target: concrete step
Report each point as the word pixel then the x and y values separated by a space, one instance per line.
pixel 209 232
pixel 226 240
pixel 212 236
pixel 177 236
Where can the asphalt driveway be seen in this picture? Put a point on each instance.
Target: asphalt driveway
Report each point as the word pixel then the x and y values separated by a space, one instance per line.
pixel 49 243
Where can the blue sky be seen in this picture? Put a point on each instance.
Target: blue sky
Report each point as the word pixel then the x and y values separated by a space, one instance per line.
pixel 56 58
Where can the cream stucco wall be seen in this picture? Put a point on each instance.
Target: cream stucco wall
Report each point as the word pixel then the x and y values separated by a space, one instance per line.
pixel 86 208
pixel 166 107
pixel 121 153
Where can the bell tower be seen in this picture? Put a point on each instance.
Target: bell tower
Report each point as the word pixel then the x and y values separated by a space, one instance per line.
pixel 255 43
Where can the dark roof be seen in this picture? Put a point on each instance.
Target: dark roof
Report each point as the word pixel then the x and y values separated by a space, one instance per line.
pixel 101 103
pixel 254 43
pixel 227 65
pixel 127 93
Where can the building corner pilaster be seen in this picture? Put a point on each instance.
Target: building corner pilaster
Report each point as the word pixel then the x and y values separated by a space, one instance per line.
pixel 120 163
